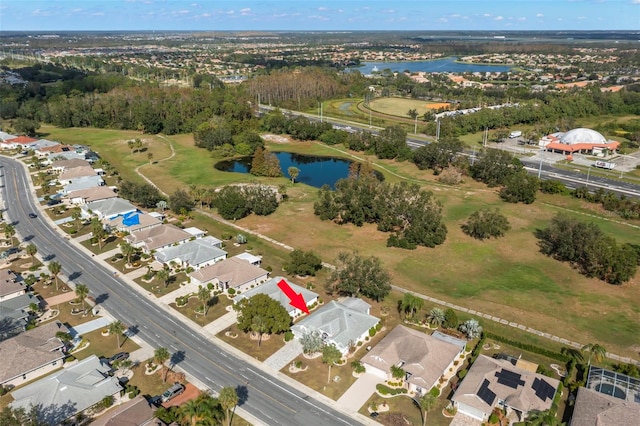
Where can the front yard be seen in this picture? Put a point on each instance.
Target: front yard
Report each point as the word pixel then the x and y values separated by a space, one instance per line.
pixel 249 344
pixel 217 308
pixel 316 374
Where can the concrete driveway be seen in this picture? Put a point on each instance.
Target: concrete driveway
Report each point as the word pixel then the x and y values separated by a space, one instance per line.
pixel 359 392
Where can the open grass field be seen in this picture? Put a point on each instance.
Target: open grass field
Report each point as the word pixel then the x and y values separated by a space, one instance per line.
pixel 508 278
pixel 400 106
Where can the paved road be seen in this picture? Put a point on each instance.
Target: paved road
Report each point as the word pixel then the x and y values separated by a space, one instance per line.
pixel 268 399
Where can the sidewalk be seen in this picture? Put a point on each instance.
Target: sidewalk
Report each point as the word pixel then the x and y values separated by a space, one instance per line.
pixel 284 355
pixel 359 392
pixel 179 292
pixel 222 323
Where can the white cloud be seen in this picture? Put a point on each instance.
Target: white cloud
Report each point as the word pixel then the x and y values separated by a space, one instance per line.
pixel 635 1
pixel 443 20
pixel 498 18
pixel 279 15
pixel 97 14
pixel 487 15
pixel 322 8
pixel 319 17
pixel 581 17
pixel 245 12
pixel 539 15
pixel 388 11
pixel 522 19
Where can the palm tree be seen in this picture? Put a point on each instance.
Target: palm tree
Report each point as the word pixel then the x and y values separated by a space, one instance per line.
pixel 54 267
pixel 595 350
pixel 164 276
pixel 397 372
pixel 31 250
pixel 426 403
pixel 228 399
pixel 204 295
pixel 116 328
pixel 435 317
pixel 131 145
pixel 293 172
pixel 82 291
pixel 160 356
pixel 10 231
pixel 34 308
pixel 138 144
pixel 259 325
pixel 126 365
pixel 471 328
pixel 64 337
pixel 572 353
pixel 162 205
pixel 150 157
pixel 76 215
pixel 330 355
pixel 127 250
pixel 98 231
pixel 542 418
pixel 410 304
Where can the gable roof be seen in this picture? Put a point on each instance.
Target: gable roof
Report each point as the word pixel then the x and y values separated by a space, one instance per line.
pixel 21 140
pixel 233 271
pixel 69 391
pixel 30 350
pixel 356 304
pixel 192 252
pixel 83 183
pixel 490 380
pixel 341 324
pixel 158 236
pixel 421 355
pixel 8 283
pixel 271 289
pixel 135 412
pixel 70 164
pixel 596 409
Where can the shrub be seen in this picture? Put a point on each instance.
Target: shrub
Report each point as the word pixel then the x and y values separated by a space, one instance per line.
pixel 493 418
pixel 527 347
pixel 73 231
pixel 70 358
pixel 288 336
pixel 372 331
pixel 298 364
pixel 435 392
pixel 231 291
pixel 378 326
pixel 210 286
pixel 386 390
pixel 462 374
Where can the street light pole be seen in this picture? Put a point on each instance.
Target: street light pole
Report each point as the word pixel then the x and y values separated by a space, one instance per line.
pixel 540 167
pixel 588 172
pixel 415 126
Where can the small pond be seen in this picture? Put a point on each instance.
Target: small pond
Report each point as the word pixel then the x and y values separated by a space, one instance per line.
pixel 314 171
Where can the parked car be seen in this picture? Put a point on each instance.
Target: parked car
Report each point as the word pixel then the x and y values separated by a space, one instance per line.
pixel 120 356
pixel 53 202
pixel 374 414
pixel 172 392
pixel 33 215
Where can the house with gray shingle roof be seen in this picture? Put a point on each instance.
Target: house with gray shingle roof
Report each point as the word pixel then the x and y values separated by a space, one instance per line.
pixel 233 272
pixel 593 408
pixel 424 358
pixel 31 354
pixel 196 253
pixel 271 289
pixel 83 183
pixel 337 324
pixel 69 391
pixel 491 383
pixel 108 209
pixel 157 237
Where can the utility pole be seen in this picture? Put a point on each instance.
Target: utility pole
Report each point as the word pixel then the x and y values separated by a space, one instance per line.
pixel 415 126
pixel 540 167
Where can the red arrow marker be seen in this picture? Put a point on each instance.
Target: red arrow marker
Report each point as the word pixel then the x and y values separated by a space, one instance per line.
pixel 296 299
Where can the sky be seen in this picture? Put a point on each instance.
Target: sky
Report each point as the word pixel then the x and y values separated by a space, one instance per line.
pixel 312 15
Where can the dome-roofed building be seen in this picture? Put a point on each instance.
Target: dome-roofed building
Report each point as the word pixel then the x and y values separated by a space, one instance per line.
pixel 580 140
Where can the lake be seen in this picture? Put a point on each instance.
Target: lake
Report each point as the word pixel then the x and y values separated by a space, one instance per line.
pixel 439 65
pixel 314 171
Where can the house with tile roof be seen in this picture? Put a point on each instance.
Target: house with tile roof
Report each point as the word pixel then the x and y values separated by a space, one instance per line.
pixel 31 354
pixel 72 390
pixel 424 357
pixel 59 166
pixel 492 383
pixel 157 237
pixel 196 253
pixel 271 289
pixel 136 412
pixel 133 222
pixel 70 175
pixel 337 324
pixel 233 272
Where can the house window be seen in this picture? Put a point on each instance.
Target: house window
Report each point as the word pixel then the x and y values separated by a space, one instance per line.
pixel 54 362
pixel 24 377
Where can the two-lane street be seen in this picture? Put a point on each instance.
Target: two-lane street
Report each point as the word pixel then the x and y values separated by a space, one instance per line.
pixel 267 398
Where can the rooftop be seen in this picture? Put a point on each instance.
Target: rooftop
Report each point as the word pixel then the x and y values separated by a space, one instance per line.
pixel 271 289
pixel 233 271
pixel 193 252
pixel 158 236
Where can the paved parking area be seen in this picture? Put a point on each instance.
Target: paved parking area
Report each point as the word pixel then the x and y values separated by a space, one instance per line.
pixel 284 355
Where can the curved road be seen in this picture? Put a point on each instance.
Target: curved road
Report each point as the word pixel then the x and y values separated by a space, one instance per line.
pixel 268 399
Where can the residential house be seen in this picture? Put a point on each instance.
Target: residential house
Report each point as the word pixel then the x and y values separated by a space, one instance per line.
pixel 337 324
pixel 72 390
pixel 199 233
pixel 136 412
pixel 132 222
pixel 108 209
pixel 497 383
pixel 31 354
pixel 233 273
pixel 19 142
pixel 10 286
pixel 157 237
pixel 83 183
pixel 196 253
pixel 593 408
pixel 5 136
pixel 424 358
pixel 89 195
pixel 70 175
pixel 60 166
pixel 271 289
pixel 45 148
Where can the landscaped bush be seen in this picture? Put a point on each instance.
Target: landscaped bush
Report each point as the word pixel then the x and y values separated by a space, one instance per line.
pixel 298 364
pixel 461 374
pixel 528 347
pixel 386 390
pixel 70 358
pixel 493 419
pixel 372 331
pixel 231 291
pixel 435 392
pixel 288 336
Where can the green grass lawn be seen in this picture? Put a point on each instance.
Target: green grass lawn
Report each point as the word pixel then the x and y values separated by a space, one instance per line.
pixel 247 344
pixel 104 346
pixel 508 277
pixel 217 309
pixel 316 376
pixel 108 244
